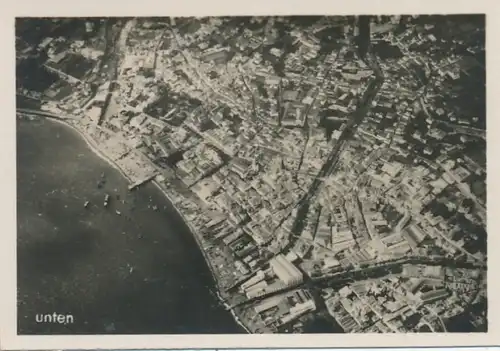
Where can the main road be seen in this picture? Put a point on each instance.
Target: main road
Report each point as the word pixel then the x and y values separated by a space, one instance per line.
pixel 349 130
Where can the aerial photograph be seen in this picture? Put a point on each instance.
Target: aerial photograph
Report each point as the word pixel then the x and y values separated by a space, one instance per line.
pixel 251 175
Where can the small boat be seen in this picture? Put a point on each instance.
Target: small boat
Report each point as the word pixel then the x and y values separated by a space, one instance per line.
pixel 155 208
pixel 86 204
pixel 118 212
pixel 106 200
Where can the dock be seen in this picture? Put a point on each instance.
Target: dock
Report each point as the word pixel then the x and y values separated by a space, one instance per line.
pixel 141 181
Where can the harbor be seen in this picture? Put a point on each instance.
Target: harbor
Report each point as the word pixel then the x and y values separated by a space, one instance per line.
pixel 85 255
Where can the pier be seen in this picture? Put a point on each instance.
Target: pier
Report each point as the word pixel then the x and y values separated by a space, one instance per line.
pixel 40 113
pixel 141 181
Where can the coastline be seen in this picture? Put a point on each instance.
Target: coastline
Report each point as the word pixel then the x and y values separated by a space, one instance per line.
pixel 193 230
pixel 93 147
pixel 199 242
pixel 91 144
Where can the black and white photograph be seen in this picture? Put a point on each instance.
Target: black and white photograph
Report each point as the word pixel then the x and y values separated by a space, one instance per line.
pixel 259 174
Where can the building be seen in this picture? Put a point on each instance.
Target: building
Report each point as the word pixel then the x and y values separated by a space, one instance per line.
pixel 45 43
pixel 302 303
pixel 268 304
pixel 91 53
pixel 219 55
pixel 433 295
pixel 257 290
pixel 258 277
pixel 286 271
pixel 414 235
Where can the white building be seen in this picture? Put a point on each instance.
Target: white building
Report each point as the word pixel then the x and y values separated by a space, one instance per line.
pixel 286 271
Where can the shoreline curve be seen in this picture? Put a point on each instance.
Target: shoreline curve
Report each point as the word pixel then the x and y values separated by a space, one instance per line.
pixel 93 147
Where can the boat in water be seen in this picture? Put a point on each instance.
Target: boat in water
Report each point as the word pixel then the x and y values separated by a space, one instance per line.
pixel 106 200
pixel 118 212
pixel 86 204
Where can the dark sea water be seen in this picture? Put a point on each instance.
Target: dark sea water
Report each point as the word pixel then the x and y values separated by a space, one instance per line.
pixel 140 272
